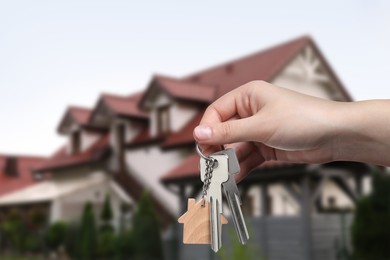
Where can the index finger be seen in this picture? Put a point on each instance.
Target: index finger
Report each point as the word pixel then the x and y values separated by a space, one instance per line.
pixel 222 109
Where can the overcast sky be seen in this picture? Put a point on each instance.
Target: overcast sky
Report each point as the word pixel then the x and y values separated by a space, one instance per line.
pixel 56 53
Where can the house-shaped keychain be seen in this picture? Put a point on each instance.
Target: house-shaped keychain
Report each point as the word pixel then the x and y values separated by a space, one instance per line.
pixel 197 223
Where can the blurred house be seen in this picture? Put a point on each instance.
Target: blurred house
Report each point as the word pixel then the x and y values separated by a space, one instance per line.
pixel 16 173
pixel 127 144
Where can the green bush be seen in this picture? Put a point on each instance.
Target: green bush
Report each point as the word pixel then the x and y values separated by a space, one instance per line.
pixel 124 246
pixel 106 215
pixel 14 231
pixel 72 240
pixel 37 219
pixel 148 243
pixel 87 234
pixel 106 244
pixel 371 226
pixel 234 250
pixel 56 235
pixel 32 243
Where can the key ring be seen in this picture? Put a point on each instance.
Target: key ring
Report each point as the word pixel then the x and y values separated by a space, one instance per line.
pixel 199 151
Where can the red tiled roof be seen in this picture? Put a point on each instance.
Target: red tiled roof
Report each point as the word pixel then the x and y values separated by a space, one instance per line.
pixel 189 168
pixel 186 90
pixel 24 178
pixel 263 65
pixel 144 138
pixel 183 136
pixel 80 114
pixel 61 159
pixel 125 106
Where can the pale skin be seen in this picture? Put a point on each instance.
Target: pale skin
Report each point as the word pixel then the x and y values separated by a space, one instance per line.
pixel 265 122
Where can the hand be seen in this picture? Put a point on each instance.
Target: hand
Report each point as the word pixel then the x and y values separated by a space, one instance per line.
pixel 264 122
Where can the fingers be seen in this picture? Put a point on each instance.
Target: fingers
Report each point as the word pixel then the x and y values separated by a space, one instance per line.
pixel 249 156
pixel 221 110
pixel 240 130
pixel 233 103
pixel 248 164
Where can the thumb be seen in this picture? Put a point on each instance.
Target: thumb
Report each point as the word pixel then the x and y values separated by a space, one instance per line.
pixel 233 131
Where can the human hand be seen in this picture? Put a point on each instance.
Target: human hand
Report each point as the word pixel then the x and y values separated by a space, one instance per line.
pixel 264 122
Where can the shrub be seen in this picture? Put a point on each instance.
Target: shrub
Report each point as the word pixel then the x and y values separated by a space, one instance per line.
pixel 371 226
pixel 106 215
pixel 124 246
pixel 148 244
pixel 14 231
pixel 106 244
pixel 56 235
pixel 87 233
pixel 72 240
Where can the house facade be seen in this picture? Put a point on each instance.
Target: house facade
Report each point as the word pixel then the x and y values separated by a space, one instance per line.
pixel 125 145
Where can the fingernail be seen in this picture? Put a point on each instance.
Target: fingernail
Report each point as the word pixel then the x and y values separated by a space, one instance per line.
pixel 202 132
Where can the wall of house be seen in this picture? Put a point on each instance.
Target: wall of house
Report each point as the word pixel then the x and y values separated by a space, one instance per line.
pixel 181 114
pixel 77 189
pixel 131 130
pixel 88 139
pixel 283 204
pixel 161 100
pixel 148 164
pixel 331 190
pixel 295 77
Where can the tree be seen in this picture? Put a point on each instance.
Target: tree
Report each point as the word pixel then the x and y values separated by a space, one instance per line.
pixel 87 233
pixel 371 226
pixel 146 231
pixel 106 214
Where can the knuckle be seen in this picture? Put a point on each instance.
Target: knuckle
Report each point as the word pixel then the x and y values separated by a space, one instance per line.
pixel 226 131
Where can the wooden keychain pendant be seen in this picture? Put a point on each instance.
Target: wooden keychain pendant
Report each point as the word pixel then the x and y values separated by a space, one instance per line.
pixel 196 222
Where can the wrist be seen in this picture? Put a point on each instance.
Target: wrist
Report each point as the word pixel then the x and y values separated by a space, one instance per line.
pixel 359 132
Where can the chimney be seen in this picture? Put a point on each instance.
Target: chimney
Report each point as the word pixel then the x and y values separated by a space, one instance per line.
pixel 11 166
pixel 229 68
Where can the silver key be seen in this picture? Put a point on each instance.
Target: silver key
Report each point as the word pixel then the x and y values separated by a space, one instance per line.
pixel 214 195
pixel 233 196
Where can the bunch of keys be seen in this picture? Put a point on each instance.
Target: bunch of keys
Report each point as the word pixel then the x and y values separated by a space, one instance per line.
pixel 217 173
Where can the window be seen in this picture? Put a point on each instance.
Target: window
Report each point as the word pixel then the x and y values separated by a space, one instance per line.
pixel 269 208
pixel 120 141
pixel 332 204
pixel 11 167
pixel 120 136
pixel 76 142
pixel 163 119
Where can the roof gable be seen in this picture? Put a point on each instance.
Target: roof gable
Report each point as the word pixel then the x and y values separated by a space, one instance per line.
pixel 263 65
pixel 74 115
pixel 308 73
pixel 177 89
pixel 61 159
pixel 110 105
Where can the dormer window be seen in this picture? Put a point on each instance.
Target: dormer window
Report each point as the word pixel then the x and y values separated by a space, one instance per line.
pixel 75 142
pixel 11 168
pixel 163 119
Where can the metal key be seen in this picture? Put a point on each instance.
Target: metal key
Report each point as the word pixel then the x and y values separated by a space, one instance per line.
pixel 214 194
pixel 233 195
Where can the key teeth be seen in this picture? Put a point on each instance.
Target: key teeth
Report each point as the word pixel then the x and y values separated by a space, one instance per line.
pixel 238 219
